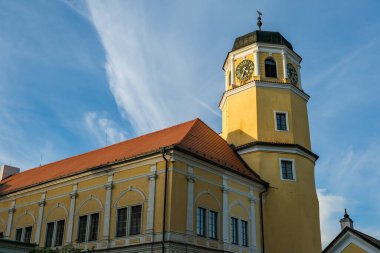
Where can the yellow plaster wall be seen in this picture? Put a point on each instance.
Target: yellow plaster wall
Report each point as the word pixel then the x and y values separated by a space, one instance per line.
pixel 270 100
pixel 238 128
pixel 353 248
pixel 178 203
pixel 250 116
pixel 291 216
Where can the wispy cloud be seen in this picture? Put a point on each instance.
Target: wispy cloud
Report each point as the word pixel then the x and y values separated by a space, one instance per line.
pixel 350 175
pixel 151 72
pixel 331 208
pixel 104 129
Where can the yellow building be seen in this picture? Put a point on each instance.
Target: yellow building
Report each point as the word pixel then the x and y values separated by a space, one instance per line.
pixel 186 188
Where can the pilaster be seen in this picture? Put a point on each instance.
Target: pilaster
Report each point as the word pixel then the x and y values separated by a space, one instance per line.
pixel 225 210
pixel 190 202
pixel 232 66
pixel 284 65
pixel 252 201
pixel 107 208
pixel 257 64
pixel 73 196
pixel 41 205
pixel 152 195
pixel 11 210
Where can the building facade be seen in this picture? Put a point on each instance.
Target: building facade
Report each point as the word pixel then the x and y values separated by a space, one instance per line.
pixel 187 188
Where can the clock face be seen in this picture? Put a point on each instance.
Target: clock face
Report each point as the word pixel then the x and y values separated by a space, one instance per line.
pixel 244 70
pixel 292 74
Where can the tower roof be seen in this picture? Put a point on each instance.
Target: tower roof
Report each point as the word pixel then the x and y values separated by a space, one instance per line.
pixel 261 36
pixel 193 137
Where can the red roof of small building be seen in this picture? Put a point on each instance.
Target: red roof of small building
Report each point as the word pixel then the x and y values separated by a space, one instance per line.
pixel 193 136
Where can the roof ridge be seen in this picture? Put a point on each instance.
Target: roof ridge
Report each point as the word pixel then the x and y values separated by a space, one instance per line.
pixel 196 120
pixel 366 235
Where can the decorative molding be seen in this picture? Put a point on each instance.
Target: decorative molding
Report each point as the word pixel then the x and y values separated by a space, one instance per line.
pixel 12 209
pixel 152 177
pixel 130 188
pixel 108 185
pixel 90 197
pixel 265 84
pixel 42 202
pixel 81 177
pixel 190 178
pixel 238 202
pixel 74 194
pixel 209 192
pixel 280 149
pixel 56 206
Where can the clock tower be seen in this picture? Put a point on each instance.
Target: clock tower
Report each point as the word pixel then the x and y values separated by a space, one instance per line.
pixel 264 113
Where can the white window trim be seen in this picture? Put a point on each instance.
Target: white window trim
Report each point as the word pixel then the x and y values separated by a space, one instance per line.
pixel 286 118
pixel 87 234
pixel 54 237
pixel 208 224
pixel 207 228
pixel 23 233
pixel 129 215
pixel 293 169
pixel 238 231
pixel 205 224
pixel 247 231
pixel 130 218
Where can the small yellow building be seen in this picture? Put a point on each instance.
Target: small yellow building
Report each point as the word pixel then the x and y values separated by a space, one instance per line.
pixel 350 240
pixel 187 188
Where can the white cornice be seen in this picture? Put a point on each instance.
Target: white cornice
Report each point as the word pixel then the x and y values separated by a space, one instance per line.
pixel 263 47
pixel 269 148
pixel 253 84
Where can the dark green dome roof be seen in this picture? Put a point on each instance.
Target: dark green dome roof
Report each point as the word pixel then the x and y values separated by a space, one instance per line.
pixel 263 37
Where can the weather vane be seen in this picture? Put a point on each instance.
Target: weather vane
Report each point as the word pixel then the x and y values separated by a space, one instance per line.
pixel 259 23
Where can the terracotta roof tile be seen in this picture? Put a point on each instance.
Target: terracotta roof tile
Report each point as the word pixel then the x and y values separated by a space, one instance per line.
pixel 193 136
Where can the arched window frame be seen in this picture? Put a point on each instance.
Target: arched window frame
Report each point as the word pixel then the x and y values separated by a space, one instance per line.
pixel 267 72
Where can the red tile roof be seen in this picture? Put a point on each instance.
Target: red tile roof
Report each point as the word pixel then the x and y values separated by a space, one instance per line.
pixel 193 136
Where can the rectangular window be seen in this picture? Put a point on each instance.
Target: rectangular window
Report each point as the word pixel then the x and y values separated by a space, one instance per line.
pixel 281 123
pixel 59 233
pixel 49 234
pixel 1 235
pixel 28 234
pixel 244 233
pixel 94 225
pixel 121 227
pixel 82 228
pixel 201 221
pixel 287 170
pixel 18 234
pixel 234 231
pixel 135 227
pixel 212 224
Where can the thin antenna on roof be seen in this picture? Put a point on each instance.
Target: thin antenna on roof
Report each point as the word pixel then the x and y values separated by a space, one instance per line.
pixel 259 23
pixel 41 159
pixel 106 136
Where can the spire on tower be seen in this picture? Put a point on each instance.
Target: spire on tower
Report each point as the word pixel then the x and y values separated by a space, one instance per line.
pixel 346 221
pixel 259 23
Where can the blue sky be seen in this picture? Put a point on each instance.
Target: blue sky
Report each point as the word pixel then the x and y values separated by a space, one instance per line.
pixel 79 75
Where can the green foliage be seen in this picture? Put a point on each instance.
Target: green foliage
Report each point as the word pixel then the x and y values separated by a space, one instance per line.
pixel 65 249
